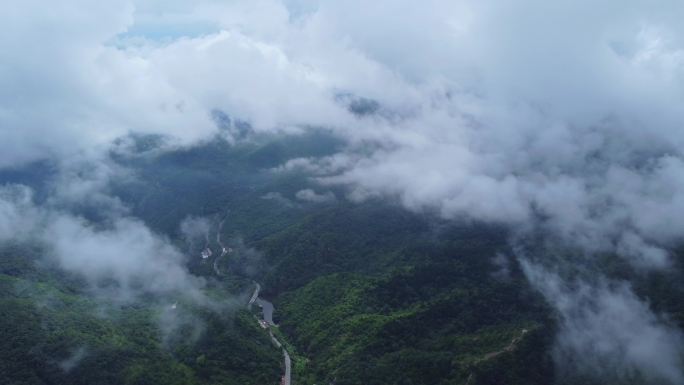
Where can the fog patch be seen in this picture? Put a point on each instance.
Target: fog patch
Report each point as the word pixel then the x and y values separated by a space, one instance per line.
pixel 120 257
pixel 124 258
pixel 18 215
pixel 74 359
pixel 180 325
pixel 607 332
pixel 83 186
pixel 309 195
pixel 502 265
pixel 196 231
pixel 280 199
pixel 245 260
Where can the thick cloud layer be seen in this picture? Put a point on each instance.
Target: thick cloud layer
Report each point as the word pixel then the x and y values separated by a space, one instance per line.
pixel 563 117
pixel 64 90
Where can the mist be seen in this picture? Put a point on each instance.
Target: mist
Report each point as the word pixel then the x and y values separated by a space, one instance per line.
pixel 606 331
pixel 121 259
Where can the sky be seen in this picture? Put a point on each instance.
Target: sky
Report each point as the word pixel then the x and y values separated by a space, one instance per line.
pixel 563 117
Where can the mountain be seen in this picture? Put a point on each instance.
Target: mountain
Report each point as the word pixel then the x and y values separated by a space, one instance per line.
pixel 364 293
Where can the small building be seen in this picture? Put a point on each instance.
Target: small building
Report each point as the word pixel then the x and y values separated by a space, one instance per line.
pixel 206 253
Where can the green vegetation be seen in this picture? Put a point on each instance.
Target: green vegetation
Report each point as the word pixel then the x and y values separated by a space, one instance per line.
pixel 56 333
pixel 421 306
pixel 364 293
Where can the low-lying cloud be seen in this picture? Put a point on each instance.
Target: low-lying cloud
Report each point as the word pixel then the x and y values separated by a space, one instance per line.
pixel 607 331
pixel 195 232
pixel 309 195
pixel 120 258
pixel 125 253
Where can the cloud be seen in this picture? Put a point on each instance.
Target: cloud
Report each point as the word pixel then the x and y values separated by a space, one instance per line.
pixel 606 330
pixel 18 215
pixel 120 258
pixel 126 254
pixel 74 359
pixel 518 128
pixel 195 229
pixel 310 195
pixel 63 90
pixel 486 124
pixel 279 198
pixel 180 325
pixel 82 183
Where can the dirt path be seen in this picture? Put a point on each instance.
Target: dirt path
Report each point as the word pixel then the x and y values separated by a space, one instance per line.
pixel 510 347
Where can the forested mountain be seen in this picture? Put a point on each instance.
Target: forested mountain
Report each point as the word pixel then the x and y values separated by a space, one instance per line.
pixel 341 192
pixel 364 293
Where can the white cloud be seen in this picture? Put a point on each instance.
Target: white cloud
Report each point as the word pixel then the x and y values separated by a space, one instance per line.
pixel 126 252
pixel 607 329
pixel 120 257
pixel 18 215
pixel 310 195
pixel 64 91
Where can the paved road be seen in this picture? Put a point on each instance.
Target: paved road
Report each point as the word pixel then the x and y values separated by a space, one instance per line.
pixel 275 340
pixel 267 314
pixel 266 309
pixel 288 368
pixel 287 376
pixel 255 295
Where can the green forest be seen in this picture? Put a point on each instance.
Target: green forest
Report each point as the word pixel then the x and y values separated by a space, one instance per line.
pixel 365 293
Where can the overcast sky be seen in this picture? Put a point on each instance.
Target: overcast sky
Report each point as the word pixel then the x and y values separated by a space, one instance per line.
pixel 563 115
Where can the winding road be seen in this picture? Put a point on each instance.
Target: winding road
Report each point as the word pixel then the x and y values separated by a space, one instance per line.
pixel 254 296
pixel 288 368
pixel 267 315
pixel 266 311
